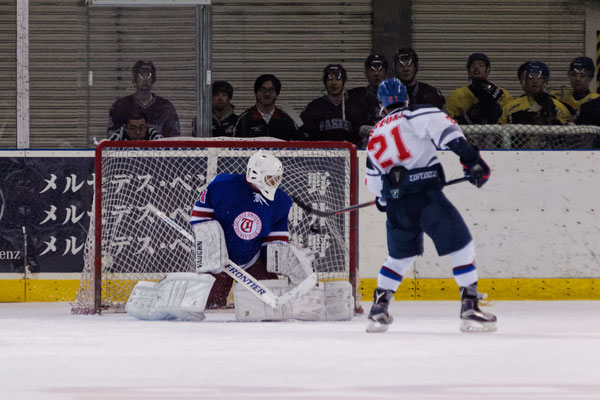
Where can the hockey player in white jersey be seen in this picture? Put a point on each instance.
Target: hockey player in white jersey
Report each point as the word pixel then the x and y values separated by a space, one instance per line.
pixel 405 174
pixel 242 220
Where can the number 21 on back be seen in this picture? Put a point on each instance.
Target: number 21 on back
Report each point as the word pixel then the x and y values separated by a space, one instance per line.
pixel 379 144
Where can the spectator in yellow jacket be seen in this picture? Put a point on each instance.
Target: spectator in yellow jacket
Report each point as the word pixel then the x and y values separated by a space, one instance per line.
pixel 581 72
pixel 536 106
pixel 481 101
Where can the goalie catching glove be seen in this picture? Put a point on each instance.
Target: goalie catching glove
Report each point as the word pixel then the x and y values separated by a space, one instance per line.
pixel 211 249
pixel 290 260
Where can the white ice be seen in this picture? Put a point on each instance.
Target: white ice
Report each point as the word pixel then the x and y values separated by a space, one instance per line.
pixel 542 350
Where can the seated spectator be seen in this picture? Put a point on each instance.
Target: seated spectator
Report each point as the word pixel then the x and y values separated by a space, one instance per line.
pixel 338 115
pixel 376 68
pixel 136 128
pixel 160 111
pixel 536 107
pixel 521 72
pixel 264 118
pixel 480 102
pixel 581 72
pixel 406 66
pixel 223 118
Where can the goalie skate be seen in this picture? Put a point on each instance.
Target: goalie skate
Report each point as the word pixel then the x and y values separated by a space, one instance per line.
pixel 472 318
pixel 379 317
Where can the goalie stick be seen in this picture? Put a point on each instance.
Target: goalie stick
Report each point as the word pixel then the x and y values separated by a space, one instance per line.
pixel 241 276
pixel 330 213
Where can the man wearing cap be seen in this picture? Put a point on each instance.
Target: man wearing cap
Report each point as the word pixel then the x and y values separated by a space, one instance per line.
pixel 161 113
pixel 581 72
pixel 537 106
pixel 406 66
pixel 264 119
pixel 481 101
pixel 338 115
pixel 223 117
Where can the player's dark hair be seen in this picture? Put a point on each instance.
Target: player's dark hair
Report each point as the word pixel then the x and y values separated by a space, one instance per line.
pixel 267 77
pixel 478 56
pixel 222 86
pixel 137 115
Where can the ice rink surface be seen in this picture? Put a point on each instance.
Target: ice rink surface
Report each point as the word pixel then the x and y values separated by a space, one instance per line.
pixel 542 350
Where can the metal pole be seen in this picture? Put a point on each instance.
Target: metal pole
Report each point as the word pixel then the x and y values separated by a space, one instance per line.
pixel 203 71
pixel 22 74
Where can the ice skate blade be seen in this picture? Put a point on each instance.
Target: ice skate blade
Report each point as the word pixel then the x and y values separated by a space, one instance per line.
pixel 476 326
pixel 377 327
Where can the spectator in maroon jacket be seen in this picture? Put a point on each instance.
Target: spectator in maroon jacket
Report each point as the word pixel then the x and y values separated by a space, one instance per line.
pixel 161 113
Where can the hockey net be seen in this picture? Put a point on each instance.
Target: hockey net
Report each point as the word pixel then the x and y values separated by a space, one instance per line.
pixel 126 243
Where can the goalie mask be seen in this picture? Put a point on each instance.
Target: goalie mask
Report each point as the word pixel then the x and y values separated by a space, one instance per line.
pixel 265 172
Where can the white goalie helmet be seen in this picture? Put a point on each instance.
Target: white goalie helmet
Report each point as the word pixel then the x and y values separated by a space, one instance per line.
pixel 265 172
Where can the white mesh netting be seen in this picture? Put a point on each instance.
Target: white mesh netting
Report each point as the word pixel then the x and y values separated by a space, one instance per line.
pixel 136 245
pixel 533 137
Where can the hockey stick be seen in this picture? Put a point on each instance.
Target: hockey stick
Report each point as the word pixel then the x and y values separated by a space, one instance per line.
pixel 330 213
pixel 244 278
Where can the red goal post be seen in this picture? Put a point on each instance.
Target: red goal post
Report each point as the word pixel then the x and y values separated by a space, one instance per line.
pixel 127 243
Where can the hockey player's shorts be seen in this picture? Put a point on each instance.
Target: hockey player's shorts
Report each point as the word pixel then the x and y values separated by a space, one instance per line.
pixel 427 212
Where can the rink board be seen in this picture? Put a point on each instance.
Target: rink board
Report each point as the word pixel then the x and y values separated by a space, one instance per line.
pixel 535 225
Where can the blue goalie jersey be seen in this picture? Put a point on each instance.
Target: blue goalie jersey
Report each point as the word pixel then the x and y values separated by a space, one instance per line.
pixel 248 219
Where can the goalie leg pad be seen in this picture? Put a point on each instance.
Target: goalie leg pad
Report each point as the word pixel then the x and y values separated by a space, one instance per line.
pixel 211 249
pixel 249 308
pixel 289 260
pixel 339 301
pixel 331 301
pixel 180 295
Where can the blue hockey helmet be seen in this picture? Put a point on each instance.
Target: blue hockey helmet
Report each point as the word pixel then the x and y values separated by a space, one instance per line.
pixel 537 67
pixel 582 64
pixel 392 91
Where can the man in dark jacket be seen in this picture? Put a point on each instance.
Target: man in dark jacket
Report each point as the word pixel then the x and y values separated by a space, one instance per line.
pixel 406 66
pixel 264 118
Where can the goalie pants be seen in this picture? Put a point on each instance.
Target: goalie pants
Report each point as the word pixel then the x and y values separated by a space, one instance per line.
pixel 217 297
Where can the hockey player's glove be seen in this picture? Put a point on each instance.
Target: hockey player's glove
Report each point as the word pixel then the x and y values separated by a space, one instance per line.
pixel 476 170
pixel 548 109
pixel 485 91
pixel 381 204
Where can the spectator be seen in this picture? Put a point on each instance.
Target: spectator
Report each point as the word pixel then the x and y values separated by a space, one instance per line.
pixel 338 115
pixel 136 128
pixel 521 72
pixel 264 118
pixel 223 119
pixel 376 68
pixel 536 107
pixel 406 66
pixel 160 111
pixel 581 72
pixel 480 102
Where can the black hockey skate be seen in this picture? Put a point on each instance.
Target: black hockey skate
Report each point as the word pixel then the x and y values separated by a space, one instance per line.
pixel 473 319
pixel 379 318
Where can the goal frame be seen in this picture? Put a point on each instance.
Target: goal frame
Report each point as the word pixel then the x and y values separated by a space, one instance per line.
pixel 207 143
